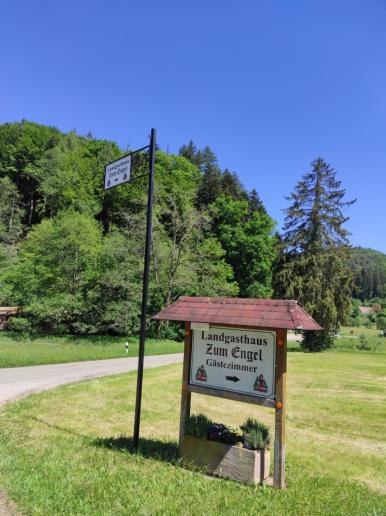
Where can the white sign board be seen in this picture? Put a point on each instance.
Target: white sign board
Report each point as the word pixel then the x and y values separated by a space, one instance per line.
pixel 117 172
pixel 234 360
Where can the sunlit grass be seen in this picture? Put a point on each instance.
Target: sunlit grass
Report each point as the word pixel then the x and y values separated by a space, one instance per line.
pixel 68 451
pixel 17 350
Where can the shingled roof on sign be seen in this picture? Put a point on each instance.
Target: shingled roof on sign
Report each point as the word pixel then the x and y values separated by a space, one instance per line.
pixel 262 313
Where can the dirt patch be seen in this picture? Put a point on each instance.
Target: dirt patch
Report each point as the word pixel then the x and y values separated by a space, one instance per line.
pixel 7 507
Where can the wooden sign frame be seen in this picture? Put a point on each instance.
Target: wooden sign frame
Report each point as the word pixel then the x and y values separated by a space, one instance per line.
pixel 279 403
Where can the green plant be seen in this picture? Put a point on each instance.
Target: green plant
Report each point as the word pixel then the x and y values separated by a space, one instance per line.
pixel 20 324
pixel 363 343
pixel 223 434
pixel 198 426
pixel 255 435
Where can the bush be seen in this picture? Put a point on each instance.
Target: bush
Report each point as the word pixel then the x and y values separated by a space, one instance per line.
pixel 255 435
pixel 20 325
pixel 354 322
pixel 317 340
pixel 223 434
pixel 198 426
pixel 363 343
pixel 381 322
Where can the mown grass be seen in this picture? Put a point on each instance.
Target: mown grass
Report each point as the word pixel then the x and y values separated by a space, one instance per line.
pixel 17 350
pixel 349 339
pixel 68 451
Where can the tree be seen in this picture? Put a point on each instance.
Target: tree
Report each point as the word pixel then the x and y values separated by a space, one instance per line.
pixel 58 264
pixel 210 186
pixel 21 146
pixel 313 266
pixel 231 186
pixel 11 212
pixel 114 297
pixel 179 264
pixel 191 153
pixel 255 203
pixel 249 244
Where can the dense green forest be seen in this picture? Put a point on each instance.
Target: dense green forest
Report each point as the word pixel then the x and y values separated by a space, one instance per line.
pixel 369 267
pixel 71 253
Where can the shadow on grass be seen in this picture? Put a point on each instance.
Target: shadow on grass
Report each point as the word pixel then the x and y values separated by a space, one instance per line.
pixel 57 427
pixel 166 451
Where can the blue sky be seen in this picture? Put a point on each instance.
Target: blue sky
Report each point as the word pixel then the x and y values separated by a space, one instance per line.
pixel 268 85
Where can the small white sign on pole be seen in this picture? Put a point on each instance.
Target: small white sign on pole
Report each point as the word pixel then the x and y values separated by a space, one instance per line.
pixel 235 360
pixel 117 172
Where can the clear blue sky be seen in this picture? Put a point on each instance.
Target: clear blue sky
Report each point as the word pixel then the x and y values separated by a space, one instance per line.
pixel 268 84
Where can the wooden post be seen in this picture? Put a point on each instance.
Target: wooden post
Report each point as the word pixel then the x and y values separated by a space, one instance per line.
pixel 185 394
pixel 281 373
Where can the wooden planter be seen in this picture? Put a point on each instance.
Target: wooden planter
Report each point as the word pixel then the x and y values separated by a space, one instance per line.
pixel 224 460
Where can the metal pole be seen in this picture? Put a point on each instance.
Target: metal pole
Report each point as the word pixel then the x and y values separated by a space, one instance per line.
pixel 142 337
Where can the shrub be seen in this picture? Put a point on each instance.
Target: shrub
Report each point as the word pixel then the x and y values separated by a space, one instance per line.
pixel 363 343
pixel 20 324
pixel 354 322
pixel 317 340
pixel 198 426
pixel 381 322
pixel 255 435
pixel 223 434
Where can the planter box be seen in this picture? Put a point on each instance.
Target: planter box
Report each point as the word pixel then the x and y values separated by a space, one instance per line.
pixel 224 460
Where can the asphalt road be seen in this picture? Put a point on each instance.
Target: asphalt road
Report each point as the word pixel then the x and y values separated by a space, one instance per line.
pixel 17 382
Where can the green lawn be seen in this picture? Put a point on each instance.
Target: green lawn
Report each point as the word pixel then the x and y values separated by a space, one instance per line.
pixel 350 339
pixel 17 350
pixel 66 451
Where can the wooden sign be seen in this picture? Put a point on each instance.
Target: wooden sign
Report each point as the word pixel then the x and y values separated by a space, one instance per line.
pixel 233 359
pixel 237 349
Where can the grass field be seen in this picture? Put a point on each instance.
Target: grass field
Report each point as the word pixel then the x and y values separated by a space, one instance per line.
pixel 17 350
pixel 67 452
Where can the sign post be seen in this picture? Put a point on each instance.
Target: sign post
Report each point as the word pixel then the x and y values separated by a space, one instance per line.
pixel 279 444
pixel 116 173
pixel 146 268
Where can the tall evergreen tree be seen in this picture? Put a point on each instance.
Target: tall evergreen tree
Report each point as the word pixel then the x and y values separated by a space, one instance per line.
pixel 255 203
pixel 210 187
pixel 191 153
pixel 231 186
pixel 313 267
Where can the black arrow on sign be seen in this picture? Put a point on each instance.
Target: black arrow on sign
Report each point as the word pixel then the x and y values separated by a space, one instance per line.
pixel 232 378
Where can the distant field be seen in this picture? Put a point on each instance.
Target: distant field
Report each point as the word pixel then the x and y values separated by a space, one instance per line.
pixel 67 451
pixel 348 339
pixel 16 350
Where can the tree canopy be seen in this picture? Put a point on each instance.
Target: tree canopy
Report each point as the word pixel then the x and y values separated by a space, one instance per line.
pixel 71 253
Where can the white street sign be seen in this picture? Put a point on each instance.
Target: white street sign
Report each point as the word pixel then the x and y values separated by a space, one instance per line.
pixel 117 172
pixel 233 359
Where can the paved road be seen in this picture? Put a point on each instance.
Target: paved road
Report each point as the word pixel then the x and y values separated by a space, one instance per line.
pixel 16 382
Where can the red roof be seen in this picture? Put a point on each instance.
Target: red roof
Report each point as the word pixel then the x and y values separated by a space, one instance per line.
pixel 262 313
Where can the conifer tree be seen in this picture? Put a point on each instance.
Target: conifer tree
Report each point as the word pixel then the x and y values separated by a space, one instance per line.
pixel 191 153
pixel 314 262
pixel 255 203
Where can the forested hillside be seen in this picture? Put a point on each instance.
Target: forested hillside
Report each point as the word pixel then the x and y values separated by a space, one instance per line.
pixel 71 254
pixel 369 267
